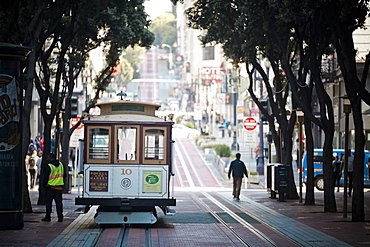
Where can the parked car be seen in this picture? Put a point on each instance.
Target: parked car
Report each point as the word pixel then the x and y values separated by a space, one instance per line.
pixel 182 131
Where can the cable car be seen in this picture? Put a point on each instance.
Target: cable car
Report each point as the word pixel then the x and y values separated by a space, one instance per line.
pixel 127 164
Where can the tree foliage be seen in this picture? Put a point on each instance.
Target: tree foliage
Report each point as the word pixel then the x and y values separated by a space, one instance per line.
pixel 164 29
pixel 295 36
pixel 134 55
pixel 61 33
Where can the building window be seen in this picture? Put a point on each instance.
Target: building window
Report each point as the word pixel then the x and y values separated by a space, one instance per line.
pixel 209 53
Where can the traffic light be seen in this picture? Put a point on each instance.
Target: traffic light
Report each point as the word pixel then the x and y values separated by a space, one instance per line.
pixel 74 106
pixel 179 60
pixel 265 105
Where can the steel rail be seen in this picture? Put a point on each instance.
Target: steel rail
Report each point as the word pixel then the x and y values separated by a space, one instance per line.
pixel 251 228
pixel 296 243
pixel 219 219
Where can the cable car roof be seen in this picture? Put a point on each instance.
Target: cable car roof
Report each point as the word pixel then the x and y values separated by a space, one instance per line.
pixel 127 107
pixel 126 118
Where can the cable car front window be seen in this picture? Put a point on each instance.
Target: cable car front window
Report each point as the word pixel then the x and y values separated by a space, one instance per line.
pixel 127 145
pixel 154 144
pixel 99 143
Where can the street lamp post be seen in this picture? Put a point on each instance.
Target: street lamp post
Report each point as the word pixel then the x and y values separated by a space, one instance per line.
pixel 234 78
pixel 235 145
pixel 269 141
pixel 170 54
pixel 261 157
pixel 346 111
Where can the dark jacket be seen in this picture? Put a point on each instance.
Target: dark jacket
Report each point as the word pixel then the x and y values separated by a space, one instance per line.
pixel 46 171
pixel 238 169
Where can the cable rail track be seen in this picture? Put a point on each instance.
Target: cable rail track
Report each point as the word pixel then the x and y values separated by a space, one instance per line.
pixel 259 234
pixel 122 238
pixel 296 243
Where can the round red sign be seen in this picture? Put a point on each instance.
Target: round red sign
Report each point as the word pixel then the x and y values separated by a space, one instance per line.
pixel 74 121
pixel 250 123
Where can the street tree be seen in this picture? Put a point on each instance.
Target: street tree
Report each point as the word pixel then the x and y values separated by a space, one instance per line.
pixel 117 19
pixel 248 30
pixel 23 23
pixel 286 38
pixel 237 26
pixel 311 42
pixel 125 73
pixel 343 18
pixel 164 29
pixel 134 55
pixel 61 34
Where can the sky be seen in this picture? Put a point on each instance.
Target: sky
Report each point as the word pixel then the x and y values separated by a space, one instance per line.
pixel 155 8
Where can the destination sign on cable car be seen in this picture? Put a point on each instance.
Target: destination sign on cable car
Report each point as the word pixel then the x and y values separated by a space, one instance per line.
pixel 98 181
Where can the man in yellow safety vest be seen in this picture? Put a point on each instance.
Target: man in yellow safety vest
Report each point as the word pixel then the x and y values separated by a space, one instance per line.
pixel 53 175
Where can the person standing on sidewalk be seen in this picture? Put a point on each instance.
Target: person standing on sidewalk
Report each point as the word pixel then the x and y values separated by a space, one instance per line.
pixel 32 169
pixel 350 172
pixel 53 175
pixel 38 165
pixel 238 169
pixel 337 170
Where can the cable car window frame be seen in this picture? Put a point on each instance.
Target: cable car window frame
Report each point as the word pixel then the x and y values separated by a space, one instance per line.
pixel 145 148
pixel 88 153
pixel 137 147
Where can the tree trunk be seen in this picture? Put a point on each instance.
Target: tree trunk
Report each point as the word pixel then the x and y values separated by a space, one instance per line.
pixel 292 193
pixel 347 62
pixel 358 210
pixel 329 196
pixel 26 131
pixel 65 153
pixel 27 206
pixel 310 191
pixel 47 137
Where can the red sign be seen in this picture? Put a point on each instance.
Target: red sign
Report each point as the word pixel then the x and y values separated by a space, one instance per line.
pixel 250 123
pixel 74 122
pixel 211 75
pixel 197 107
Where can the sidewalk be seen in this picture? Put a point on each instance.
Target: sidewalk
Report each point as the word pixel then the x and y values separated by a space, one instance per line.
pixel 333 224
pixel 36 232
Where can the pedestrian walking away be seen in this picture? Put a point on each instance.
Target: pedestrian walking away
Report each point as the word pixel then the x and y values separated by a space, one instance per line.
pixel 237 170
pixel 53 175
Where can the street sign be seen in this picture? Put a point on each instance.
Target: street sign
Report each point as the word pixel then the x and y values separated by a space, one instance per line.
pixel 77 134
pixel 74 121
pixel 221 98
pixel 249 123
pixel 197 107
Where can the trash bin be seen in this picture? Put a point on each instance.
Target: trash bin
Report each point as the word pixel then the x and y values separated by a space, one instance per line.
pixel 269 167
pixel 270 179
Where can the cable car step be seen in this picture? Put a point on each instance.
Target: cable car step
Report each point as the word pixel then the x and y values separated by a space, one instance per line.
pixel 125 218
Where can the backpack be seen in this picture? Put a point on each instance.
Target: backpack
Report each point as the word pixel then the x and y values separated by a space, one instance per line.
pixel 32 163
